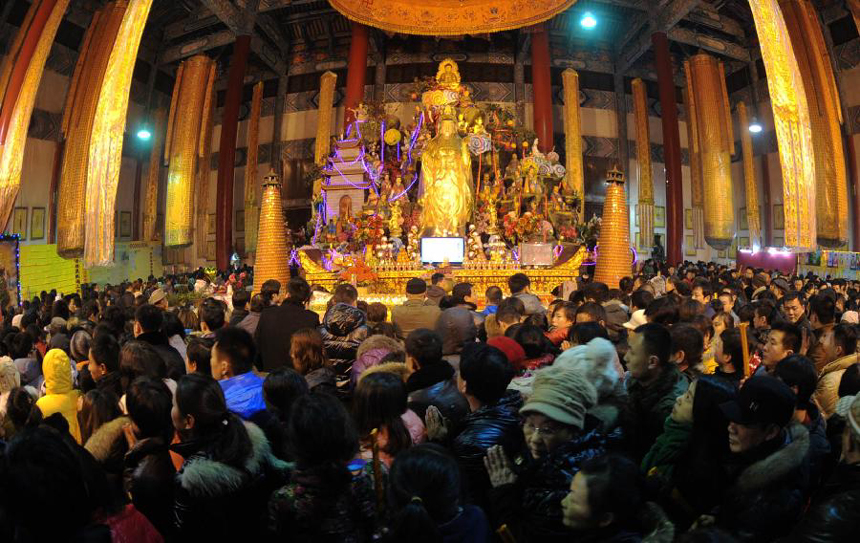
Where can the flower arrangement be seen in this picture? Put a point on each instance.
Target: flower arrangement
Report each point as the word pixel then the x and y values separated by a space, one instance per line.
pixel 358 272
pixel 369 229
pixel 517 228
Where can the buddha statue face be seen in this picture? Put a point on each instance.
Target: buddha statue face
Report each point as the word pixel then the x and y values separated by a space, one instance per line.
pixel 448 127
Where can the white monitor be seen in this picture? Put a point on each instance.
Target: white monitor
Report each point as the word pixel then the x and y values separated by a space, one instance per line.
pixel 436 250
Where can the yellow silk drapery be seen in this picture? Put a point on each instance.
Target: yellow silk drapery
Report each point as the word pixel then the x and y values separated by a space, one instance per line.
pixel 750 183
pixel 252 208
pixel 153 176
pixel 696 186
pixel 573 136
pixel 643 160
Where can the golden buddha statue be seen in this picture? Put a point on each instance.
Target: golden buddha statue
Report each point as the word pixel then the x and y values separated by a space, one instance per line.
pixel 448 75
pixel 446 169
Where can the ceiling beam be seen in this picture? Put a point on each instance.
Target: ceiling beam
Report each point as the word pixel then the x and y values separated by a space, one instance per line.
pixel 629 4
pixel 241 22
pixel 181 51
pixel 710 44
pixel 638 40
pixel 202 18
pixel 707 16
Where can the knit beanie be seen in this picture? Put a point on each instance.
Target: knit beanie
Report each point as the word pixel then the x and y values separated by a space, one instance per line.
pixel 561 395
pixel 597 361
pixel 513 350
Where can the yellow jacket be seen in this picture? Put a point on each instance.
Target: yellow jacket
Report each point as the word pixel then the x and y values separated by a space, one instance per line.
pixel 59 396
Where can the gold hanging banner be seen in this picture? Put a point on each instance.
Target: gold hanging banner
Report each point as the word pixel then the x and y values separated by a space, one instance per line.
pixel 324 117
pixel 272 260
pixel 252 208
pixel 153 176
pixel 573 136
pixel 791 121
pixel 715 147
pixel 697 192
pixel 614 256
pixel 184 137
pixel 105 153
pixel 825 116
pixel 204 165
pixel 450 17
pixel 643 160
pixel 15 111
pixel 78 120
pixel 750 183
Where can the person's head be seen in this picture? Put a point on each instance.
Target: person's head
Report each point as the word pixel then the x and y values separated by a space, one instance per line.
pixel 211 315
pixel 21 410
pixel 423 348
pixel 728 350
pixel 764 406
pixel 149 403
pixel 90 310
pixel 640 299
pixel 840 341
pixel 580 334
pixel 424 490
pixel 457 328
pixel 508 315
pixel 783 340
pixel 376 312
pixel 722 321
pixel 379 401
pixel 437 278
pixel 663 311
pixel 103 356
pixel 138 359
pixel 462 293
pixel 281 388
pixel 493 295
pixel 271 291
pixel 189 319
pixel 79 345
pixel 555 411
pixel 312 444
pixel 345 294
pixel 97 407
pixel 764 310
pixel 147 318
pixel 727 299
pixel 307 351
pixel 798 372
pixel 822 310
pixel 792 306
pixel 607 491
pixel 649 353
pixel 416 289
pixel 198 356
pixel 688 309
pixel 687 346
pixel 241 299
pixel 590 312
pixel 298 291
pixel 233 352
pixel 596 292
pixel 200 412
pixel 533 341
pixel 485 373
pixel 518 282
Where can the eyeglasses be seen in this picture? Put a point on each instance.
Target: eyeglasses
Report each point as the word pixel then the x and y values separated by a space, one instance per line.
pixel 530 428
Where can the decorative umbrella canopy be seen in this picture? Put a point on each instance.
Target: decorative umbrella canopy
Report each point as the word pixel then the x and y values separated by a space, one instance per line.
pixel 450 17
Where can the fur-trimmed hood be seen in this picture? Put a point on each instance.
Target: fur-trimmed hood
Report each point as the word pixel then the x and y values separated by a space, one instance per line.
pixel 778 465
pixel 203 477
pixel 379 341
pixel 101 443
pixel 397 368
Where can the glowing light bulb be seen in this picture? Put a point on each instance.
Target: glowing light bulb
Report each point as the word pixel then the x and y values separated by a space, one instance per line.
pixel 754 127
pixel 588 20
pixel 144 134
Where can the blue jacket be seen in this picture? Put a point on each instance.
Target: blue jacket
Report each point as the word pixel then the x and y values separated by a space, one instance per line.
pixel 244 394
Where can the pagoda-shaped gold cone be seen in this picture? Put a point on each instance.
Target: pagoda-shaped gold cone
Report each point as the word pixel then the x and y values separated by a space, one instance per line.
pixel 272 253
pixel 613 253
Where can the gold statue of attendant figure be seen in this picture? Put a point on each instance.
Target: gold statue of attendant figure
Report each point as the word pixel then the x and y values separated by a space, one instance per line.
pixel 446 169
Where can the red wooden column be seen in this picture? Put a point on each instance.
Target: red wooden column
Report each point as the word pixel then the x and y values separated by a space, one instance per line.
pixel 227 152
pixel 356 71
pixel 542 88
pixel 671 148
pixel 854 182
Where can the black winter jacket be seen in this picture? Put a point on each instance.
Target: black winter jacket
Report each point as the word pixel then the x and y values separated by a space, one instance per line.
pixel 492 424
pixel 343 329
pixel 148 479
pixel 835 511
pixel 172 359
pixel 434 384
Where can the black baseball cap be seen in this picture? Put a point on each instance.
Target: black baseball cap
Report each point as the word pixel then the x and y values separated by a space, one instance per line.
pixel 416 286
pixel 762 400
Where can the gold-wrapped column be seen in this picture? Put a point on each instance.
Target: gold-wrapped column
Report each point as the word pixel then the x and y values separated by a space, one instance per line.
pixel 791 121
pixel 614 259
pixel 750 183
pixel 184 134
pixel 574 179
pixel 697 192
pixel 204 165
pixel 252 209
pixel 272 261
pixel 153 176
pixel 77 126
pixel 715 147
pixel 19 83
pixel 324 119
pixel 643 160
pixel 105 154
pixel 825 117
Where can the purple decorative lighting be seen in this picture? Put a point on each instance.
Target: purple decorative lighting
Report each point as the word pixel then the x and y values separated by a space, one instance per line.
pixel 417 177
pixel 294 259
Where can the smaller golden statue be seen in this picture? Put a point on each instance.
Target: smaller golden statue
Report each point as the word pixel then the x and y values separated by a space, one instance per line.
pixel 448 75
pixel 396 218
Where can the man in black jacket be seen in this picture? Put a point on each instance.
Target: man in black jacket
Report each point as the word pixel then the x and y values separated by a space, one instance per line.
pixel 147 328
pixel 431 380
pixel 278 323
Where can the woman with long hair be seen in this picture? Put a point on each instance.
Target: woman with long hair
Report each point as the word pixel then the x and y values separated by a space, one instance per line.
pixel 221 487
pixel 307 352
pixel 425 495
pixel 380 403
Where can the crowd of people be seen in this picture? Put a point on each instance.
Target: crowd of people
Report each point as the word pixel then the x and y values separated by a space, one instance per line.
pixel 695 404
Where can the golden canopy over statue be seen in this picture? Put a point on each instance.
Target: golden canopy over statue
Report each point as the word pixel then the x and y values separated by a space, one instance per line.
pixel 446 169
pixel 448 74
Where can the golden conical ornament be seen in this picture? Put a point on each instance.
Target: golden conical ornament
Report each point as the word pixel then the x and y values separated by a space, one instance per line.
pixel 613 253
pixel 272 253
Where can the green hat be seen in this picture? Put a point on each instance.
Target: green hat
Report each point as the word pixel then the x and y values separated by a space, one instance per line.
pixel 562 395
